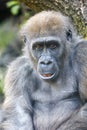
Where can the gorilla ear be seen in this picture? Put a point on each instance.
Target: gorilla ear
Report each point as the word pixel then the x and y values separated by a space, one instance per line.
pixel 69 35
pixel 24 39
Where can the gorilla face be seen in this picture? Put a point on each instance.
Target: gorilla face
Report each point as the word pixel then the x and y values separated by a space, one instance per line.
pixel 48 52
pixel 47 40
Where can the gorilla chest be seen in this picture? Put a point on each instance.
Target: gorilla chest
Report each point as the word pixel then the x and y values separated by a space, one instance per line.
pixel 53 115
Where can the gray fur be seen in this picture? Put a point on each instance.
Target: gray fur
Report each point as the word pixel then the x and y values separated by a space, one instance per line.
pixel 33 104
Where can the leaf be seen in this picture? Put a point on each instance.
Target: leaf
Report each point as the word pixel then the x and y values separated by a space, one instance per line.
pixel 15 9
pixel 11 3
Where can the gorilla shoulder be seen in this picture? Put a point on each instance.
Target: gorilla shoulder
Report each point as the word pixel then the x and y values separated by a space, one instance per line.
pixel 17 73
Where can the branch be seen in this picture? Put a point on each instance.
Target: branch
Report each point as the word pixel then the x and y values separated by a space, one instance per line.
pixel 76 9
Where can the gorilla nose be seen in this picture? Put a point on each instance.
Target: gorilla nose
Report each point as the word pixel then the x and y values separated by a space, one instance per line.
pixel 46 62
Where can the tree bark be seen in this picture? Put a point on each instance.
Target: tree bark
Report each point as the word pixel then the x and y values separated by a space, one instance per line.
pixel 76 9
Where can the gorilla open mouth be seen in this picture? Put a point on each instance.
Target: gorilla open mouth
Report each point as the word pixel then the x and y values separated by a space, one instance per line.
pixel 47 76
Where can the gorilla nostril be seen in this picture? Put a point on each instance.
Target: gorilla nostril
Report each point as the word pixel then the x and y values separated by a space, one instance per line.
pixel 46 62
pixel 49 62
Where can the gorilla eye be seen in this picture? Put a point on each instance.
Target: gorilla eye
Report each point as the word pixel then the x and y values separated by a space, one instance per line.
pixel 38 47
pixel 53 45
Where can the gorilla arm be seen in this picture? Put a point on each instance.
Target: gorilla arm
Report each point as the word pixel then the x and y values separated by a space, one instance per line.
pixel 80 67
pixel 16 106
pixel 78 121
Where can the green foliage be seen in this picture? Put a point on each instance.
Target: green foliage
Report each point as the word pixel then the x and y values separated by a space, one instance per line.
pixel 7 32
pixel 14 6
pixel 15 9
pixel 1 81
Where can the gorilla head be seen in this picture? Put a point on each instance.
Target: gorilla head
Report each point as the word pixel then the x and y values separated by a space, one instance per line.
pixel 48 36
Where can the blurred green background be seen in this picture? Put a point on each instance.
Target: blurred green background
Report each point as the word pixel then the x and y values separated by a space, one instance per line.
pixel 12 16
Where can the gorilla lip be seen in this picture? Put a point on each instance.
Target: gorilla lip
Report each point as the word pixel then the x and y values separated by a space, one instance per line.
pixel 47 76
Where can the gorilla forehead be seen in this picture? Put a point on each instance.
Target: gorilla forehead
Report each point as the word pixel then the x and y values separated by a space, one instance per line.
pixel 45 40
pixel 45 23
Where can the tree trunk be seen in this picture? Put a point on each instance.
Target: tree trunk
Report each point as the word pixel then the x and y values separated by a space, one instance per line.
pixel 76 9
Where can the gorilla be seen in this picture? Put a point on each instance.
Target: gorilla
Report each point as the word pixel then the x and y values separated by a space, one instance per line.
pixel 46 88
